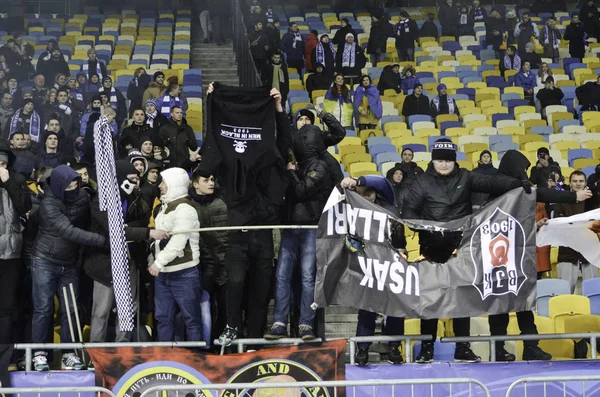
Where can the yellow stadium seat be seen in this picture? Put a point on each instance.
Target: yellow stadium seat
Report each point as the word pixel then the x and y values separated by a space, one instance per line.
pixel 568 305
pixel 465 103
pixel 523 109
pixel 350 140
pixel 394 125
pixel 445 117
pixel 566 145
pixel 426 132
pixel 356 157
pixel 467 111
pixel 478 123
pixel 582 163
pixel 528 124
pixel 299 105
pixel 515 90
pixel 366 134
pixel 512 131
pixel 490 103
pixel 398 133
pixel 522 140
pixel 593 145
pixel 344 150
pixel 457 131
pixel 476 84
pixel 490 111
pixel 509 73
pixel 534 146
pixel 479 98
pixel 474 147
pixel 360 169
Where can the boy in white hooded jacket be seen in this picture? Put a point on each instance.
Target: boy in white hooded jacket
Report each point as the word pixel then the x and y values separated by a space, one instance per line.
pixel 175 266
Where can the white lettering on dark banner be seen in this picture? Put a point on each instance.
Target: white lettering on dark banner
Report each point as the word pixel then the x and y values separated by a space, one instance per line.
pixel 374 223
pixel 241 135
pixel 404 279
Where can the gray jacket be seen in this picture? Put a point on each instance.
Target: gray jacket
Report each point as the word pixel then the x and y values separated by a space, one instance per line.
pixel 5 115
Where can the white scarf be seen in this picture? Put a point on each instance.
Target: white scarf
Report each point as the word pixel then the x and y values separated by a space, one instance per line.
pixel 150 118
pixel 436 102
pixel 348 57
pixel 85 67
pixel 297 38
pixel 113 96
pixel 166 106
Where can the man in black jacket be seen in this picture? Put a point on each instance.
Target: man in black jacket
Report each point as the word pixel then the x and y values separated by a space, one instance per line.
pixel 179 137
pixel 132 133
pixel 576 35
pixel 590 17
pixel 549 95
pixel 541 171
pixel 311 184
pixel 406 32
pixel 416 103
pixel 340 36
pixel 381 29
pixel 589 95
pixel 448 15
pixel 259 48
pixel 319 80
pixel 429 28
pixel 277 75
pixel 16 202
pixel 97 264
pixel 443 193
pixel 61 220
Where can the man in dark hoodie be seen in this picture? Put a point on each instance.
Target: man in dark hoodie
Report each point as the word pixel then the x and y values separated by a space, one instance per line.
pixel 484 167
pixel 416 103
pixel 381 29
pixel 311 184
pixel 429 28
pixel 97 264
pixel 443 193
pixel 540 173
pixel 390 79
pixel 15 204
pixel 319 80
pixel 448 14
pixel 396 177
pixel 61 219
pixel 54 66
pixel 48 155
pixel 410 169
pixel 514 165
pixel 24 162
pixel 340 36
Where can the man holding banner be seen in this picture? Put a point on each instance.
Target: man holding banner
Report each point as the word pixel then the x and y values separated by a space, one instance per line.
pixel 443 193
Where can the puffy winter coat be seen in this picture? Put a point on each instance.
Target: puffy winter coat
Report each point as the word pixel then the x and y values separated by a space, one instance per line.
pixel 179 139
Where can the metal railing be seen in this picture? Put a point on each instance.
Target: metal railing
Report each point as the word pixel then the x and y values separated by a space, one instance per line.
pixel 547 379
pixel 373 384
pixel 491 339
pixel 40 391
pixel 30 347
pixel 243 342
pixel 386 338
pixel 241 46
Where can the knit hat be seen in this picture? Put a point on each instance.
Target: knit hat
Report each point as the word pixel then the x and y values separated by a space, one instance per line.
pixel 307 113
pixel 418 85
pixel 345 20
pixel 409 149
pixel 26 101
pixel 26 90
pixel 152 101
pixel 529 46
pixel 134 155
pixel 348 35
pixel 57 77
pixel 543 150
pixel 485 152
pixel 441 87
pixel 404 14
pixel 159 73
pixel 107 78
pixel 69 79
pixel 443 149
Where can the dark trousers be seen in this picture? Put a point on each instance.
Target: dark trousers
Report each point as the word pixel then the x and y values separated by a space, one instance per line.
pixel 366 327
pixel 261 68
pixel 296 64
pixel 499 325
pixel 249 262
pixel 9 282
pixel 461 326
pixel 218 304
pixel 219 24
pixel 406 54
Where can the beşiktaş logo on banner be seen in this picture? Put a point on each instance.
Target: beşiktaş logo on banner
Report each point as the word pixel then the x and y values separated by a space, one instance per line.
pixel 384 266
pixel 497 250
pixel 241 135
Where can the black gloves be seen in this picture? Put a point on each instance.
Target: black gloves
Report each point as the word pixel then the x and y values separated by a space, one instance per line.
pixel 526 186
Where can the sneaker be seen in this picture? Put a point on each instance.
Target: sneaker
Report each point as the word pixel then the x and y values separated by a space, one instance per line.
pixel 464 354
pixel 306 332
pixel 278 331
pixel 395 356
pixel 362 357
pixel 71 362
pixel 40 362
pixel 426 354
pixel 534 353
pixel 503 355
pixel 228 335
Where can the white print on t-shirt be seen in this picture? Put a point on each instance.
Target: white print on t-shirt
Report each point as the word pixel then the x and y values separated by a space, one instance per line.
pixel 240 146
pixel 241 135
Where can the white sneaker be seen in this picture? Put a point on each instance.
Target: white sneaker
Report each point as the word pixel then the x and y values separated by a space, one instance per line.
pixel 70 362
pixel 40 362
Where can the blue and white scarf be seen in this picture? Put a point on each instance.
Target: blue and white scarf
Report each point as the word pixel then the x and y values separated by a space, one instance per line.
pixel 547 38
pixel 436 102
pixel 113 96
pixel 478 14
pixel 320 52
pixel 34 124
pixel 269 15
pixel 150 118
pixel 349 57
pixel 167 103
pixel 403 27
pixel 515 64
pixel 297 38
pixel 85 68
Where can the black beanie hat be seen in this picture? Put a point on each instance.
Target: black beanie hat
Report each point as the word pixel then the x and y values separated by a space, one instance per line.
pixel 307 113
pixel 543 150
pixel 485 152
pixel 443 149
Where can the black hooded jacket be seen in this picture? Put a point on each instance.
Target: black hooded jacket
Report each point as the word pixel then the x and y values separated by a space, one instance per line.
pixel 440 198
pixel 400 189
pixel 132 134
pixel 389 80
pixel 318 81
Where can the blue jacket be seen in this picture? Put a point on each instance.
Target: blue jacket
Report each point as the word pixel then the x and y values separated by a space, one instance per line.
pixel 409 83
pixel 287 46
pixel 527 82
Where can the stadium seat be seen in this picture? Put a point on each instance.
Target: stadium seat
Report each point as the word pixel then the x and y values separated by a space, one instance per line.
pixel 591 289
pixel 546 289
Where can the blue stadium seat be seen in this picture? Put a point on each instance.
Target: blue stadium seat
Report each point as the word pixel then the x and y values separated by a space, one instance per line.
pixel 574 154
pixel 501 116
pixel 384 148
pixel 449 124
pixel 588 171
pixel 415 147
pixel 591 289
pixel 496 139
pixel 546 289
pixel 417 117
pixel 385 157
pixel 502 147
pixel 378 140
pixel 564 123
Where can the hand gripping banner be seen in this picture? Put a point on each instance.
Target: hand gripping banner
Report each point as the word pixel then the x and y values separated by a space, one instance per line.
pixel 493 270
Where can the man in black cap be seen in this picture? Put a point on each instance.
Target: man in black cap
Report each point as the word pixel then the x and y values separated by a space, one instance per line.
pixel 541 171
pixel 443 193
pixel 159 78
pixel 416 103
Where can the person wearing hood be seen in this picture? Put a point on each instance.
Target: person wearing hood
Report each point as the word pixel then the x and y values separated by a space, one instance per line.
pixel 61 219
pixel 153 118
pixel 149 186
pixel 212 212
pixel 381 30
pixel 54 66
pixel 93 65
pixel 16 202
pixel 396 177
pixel 442 103
pixel 47 54
pixel 131 134
pixel 171 98
pixel 410 80
pixel 340 37
pixel 406 32
pixel 416 103
pixel 292 44
pixel 540 173
pixel 514 165
pixel 526 80
pixel 175 266
pixel 311 184
pixel 379 191
pixel 409 168
pixel 273 35
pixel 161 153
pixel 156 88
pixel 324 54
pixel 350 58
pixel 429 28
pixel 138 160
pixel 436 195
pixel 117 100
pixel 478 13
pixel 309 48
pixel 590 17
pixel 367 105
pixel 448 14
pixel 465 22
pixel 178 137
pixel 485 166
pixel 75 96
pixel 319 80
pixel 24 120
pixel 577 37
pixel 495 31
pixel 524 31
pixel 6 110
pixel 390 79
pixel 277 75
pixel 97 264
pixel 136 89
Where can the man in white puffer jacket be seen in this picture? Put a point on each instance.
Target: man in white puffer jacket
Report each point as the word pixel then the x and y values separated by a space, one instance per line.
pixel 176 260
